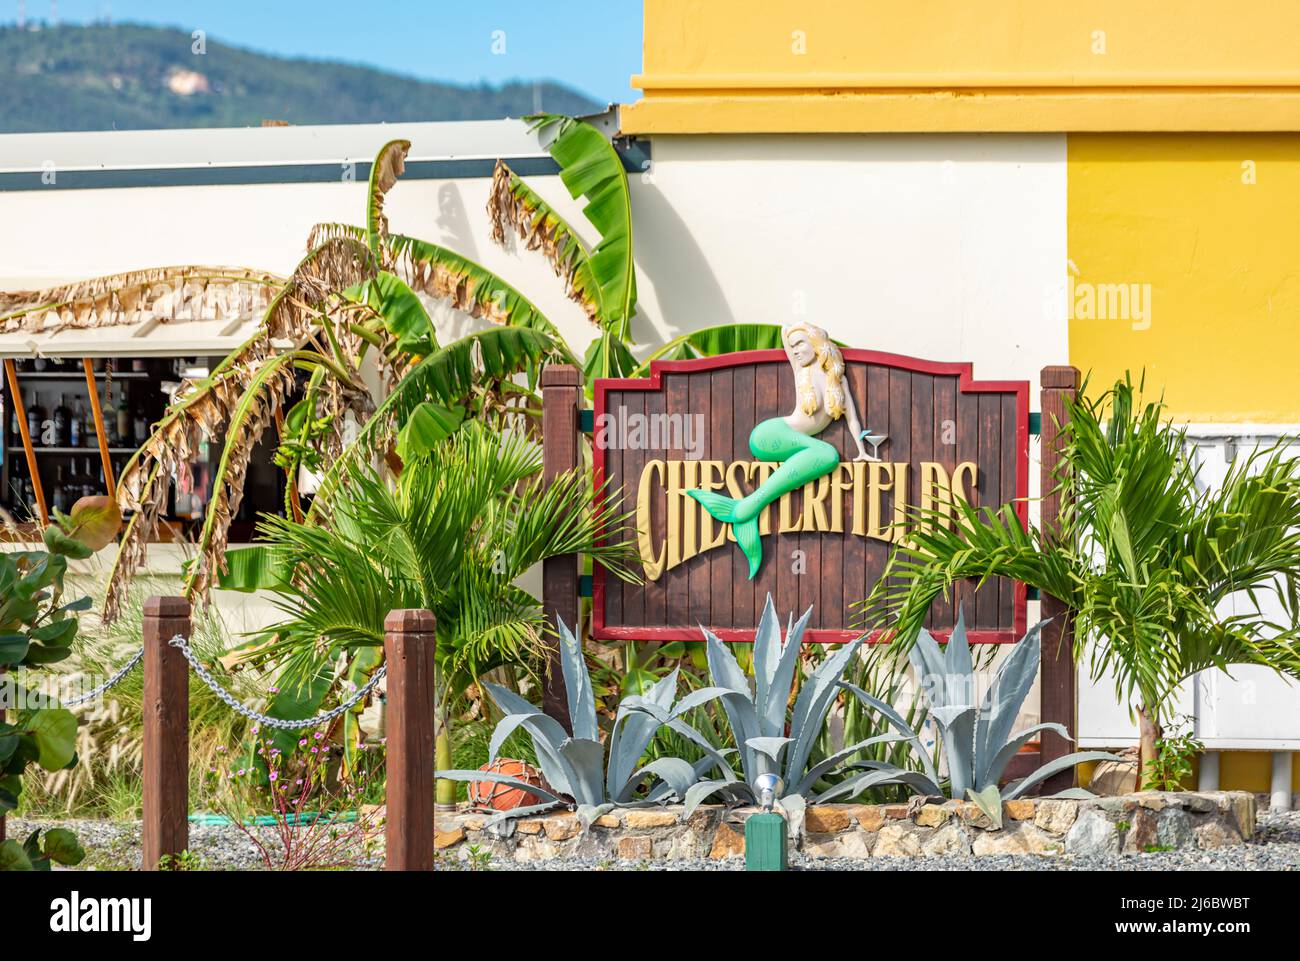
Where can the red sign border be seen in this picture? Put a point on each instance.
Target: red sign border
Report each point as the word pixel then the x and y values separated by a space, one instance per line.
pixel 966 384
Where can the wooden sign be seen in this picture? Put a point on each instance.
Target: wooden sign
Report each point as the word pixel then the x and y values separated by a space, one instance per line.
pixel 680 446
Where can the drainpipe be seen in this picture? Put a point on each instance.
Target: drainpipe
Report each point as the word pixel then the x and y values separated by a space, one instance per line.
pixel 1280 791
pixel 1208 779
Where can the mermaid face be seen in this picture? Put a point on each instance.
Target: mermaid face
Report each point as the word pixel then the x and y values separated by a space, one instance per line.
pixel 800 349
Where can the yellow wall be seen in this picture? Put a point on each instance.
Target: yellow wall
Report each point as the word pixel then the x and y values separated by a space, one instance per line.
pixel 1161 116
pixel 735 66
pixel 1219 253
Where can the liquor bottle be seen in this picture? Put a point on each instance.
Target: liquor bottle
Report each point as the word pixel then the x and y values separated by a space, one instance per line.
pixel 35 415
pixel 59 500
pixel 14 432
pixel 123 420
pixel 62 424
pixel 74 426
pixel 29 497
pixel 141 428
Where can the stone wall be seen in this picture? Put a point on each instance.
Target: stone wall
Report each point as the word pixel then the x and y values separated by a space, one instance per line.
pixel 1128 824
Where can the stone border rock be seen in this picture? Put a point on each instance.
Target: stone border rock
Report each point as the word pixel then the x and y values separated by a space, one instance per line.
pixel 1127 824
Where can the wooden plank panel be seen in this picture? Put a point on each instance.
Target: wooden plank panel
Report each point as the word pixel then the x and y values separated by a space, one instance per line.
pixel 744 392
pixel 922 440
pixel 943 436
pixel 768 402
pixel 721 442
pixel 1006 591
pixel 968 450
pixel 787 582
pixel 990 427
pixel 656 592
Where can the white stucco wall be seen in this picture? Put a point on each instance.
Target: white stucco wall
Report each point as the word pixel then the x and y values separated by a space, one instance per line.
pixel 943 247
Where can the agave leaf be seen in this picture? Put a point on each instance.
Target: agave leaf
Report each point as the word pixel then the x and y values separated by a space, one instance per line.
pixel 813 704
pixel 737 703
pixel 697 794
pixel 922 784
pixel 927 662
pixel 678 774
pixel 825 766
pixel 772 701
pixel 586 761
pixel 767 657
pixel 497 778
pixel 957 659
pixel 696 698
pixel 1003 700
pixel 989 800
pixel 795 806
pixel 547 734
pixel 1009 750
pixel 1018 788
pixel 957 724
pixel 523 812
pixel 770 747
pixel 632 732
pixel 587 813
pixel 860 782
pixel 713 756
pixel 577 684
pixel 899 725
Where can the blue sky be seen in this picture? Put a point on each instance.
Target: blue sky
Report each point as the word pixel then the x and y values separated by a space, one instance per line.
pixel 593 45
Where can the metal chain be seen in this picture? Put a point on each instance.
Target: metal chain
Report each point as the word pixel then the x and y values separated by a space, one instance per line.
pixel 117 676
pixel 276 722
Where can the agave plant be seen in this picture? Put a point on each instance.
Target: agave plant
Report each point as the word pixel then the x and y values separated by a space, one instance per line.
pixel 976 736
pixel 575 767
pixel 757 714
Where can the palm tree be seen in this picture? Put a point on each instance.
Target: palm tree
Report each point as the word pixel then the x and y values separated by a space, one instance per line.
pixel 354 300
pixel 464 520
pixel 1147 562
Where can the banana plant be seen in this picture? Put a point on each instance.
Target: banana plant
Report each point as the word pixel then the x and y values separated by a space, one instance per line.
pixel 758 717
pixel 579 771
pixel 975 735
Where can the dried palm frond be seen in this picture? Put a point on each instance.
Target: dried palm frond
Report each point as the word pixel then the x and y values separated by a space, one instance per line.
pixel 238 399
pixel 163 293
pixel 389 164
pixel 514 204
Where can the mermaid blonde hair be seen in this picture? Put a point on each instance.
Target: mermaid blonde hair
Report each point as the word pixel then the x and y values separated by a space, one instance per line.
pixel 830 360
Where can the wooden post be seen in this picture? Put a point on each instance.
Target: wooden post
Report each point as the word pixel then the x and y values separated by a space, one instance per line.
pixel 1057 678
pixel 408 653
pixel 93 389
pixel 166 710
pixel 16 395
pixel 561 389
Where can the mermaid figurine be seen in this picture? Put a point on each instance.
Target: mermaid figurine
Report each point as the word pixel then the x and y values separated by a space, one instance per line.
pixel 821 397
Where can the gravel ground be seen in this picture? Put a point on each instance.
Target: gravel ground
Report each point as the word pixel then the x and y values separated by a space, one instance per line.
pixel 115 845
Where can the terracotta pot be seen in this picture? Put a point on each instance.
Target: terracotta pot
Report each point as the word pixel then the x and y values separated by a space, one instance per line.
pixel 491 796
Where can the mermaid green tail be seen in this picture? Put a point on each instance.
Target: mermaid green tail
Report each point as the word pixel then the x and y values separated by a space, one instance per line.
pixel 803 459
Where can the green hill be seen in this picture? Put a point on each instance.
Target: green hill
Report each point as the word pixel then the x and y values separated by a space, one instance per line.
pixel 129 77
